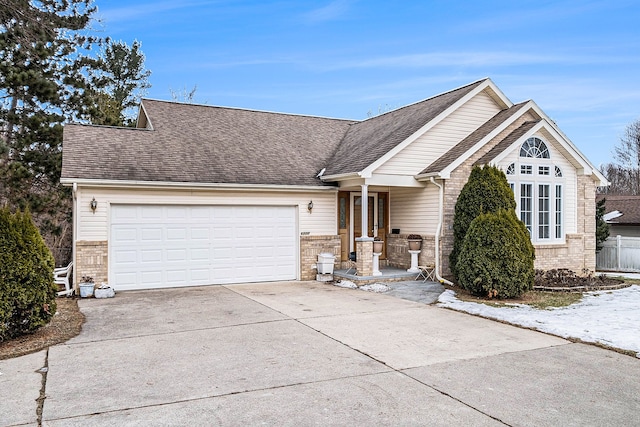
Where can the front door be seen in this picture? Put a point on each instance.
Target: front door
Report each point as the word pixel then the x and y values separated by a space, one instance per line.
pixel 376 221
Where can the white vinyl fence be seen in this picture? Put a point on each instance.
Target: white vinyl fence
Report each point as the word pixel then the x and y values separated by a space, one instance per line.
pixel 619 254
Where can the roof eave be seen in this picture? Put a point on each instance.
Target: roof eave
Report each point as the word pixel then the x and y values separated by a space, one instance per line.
pixel 190 185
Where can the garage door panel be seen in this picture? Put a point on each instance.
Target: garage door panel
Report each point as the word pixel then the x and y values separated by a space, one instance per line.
pixel 148 256
pixel 150 213
pixel 150 235
pixel 161 246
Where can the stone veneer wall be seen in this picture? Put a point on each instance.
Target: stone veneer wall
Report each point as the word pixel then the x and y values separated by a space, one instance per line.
pixel 577 254
pixel 398 251
pixel 91 260
pixel 310 247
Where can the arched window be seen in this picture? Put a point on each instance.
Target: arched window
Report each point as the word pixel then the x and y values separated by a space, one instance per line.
pixel 535 148
pixel 537 186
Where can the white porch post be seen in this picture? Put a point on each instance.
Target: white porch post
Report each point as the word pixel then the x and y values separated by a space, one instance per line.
pixel 364 210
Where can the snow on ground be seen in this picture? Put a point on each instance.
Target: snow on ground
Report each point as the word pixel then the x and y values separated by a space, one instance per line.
pixel 608 317
pixel 375 287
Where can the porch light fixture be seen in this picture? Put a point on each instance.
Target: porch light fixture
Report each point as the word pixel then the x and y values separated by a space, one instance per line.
pixel 310 206
pixel 93 205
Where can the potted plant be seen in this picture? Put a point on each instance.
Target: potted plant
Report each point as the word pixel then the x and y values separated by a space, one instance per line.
pixel 86 286
pixel 415 242
pixel 378 244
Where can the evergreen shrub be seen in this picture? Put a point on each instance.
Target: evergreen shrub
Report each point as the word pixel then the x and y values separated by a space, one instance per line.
pixel 496 258
pixel 27 291
pixel 487 190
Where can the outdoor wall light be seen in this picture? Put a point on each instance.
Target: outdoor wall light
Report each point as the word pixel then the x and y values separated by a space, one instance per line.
pixel 310 206
pixel 93 205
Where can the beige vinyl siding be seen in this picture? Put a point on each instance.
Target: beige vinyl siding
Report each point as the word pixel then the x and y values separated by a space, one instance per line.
pixel 414 210
pixel 95 226
pixel 442 137
pixel 569 174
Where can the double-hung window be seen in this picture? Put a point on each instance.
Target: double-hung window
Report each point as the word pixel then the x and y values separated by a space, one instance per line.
pixel 538 189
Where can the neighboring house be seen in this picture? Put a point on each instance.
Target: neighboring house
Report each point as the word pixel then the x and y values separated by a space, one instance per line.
pixel 622 213
pixel 210 195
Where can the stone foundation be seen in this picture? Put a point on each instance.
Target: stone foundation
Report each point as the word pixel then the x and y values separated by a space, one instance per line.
pixel 311 247
pixel 91 260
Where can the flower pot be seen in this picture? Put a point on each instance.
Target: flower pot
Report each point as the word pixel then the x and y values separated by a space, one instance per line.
pixel 415 245
pixel 86 290
pixel 378 245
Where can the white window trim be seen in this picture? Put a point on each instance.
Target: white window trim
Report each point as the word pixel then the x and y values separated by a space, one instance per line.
pixel 535 180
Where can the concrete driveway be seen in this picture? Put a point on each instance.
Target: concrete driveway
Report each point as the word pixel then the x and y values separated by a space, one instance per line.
pixel 306 353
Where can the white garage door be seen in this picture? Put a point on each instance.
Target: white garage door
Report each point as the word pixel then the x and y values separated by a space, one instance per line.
pixel 169 246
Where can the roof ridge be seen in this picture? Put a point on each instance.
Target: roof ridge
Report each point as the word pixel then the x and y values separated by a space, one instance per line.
pixel 426 99
pixel 252 110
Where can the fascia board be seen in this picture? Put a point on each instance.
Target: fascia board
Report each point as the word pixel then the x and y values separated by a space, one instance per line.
pixel 190 185
pixel 146 115
pixel 395 150
pixel 446 172
pixel 387 180
pixel 339 177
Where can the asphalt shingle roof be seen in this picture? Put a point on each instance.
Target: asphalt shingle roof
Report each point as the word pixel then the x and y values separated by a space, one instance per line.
pixel 207 144
pixel 629 206
pixel 367 141
pixel 204 144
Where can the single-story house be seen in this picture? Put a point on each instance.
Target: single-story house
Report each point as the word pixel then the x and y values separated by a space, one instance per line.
pixel 622 213
pixel 199 194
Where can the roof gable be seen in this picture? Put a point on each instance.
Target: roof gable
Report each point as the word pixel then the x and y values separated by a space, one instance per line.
pixel 467 146
pixel 370 140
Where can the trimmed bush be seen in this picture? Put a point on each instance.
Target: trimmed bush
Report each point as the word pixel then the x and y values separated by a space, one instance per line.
pixel 487 190
pixel 27 291
pixel 496 258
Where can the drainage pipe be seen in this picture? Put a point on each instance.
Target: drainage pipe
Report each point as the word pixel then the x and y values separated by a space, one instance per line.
pixel 439 230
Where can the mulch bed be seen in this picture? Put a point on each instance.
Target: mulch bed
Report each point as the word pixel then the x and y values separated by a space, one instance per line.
pixel 564 280
pixel 65 324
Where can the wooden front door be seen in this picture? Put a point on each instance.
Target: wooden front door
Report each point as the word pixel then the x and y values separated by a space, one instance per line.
pixel 350 223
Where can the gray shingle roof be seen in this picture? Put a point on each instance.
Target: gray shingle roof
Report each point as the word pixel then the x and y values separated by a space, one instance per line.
pixel 629 206
pixel 472 139
pixel 506 142
pixel 204 144
pixel 367 141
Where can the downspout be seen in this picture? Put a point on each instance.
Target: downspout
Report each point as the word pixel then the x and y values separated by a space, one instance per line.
pixel 439 230
pixel 74 232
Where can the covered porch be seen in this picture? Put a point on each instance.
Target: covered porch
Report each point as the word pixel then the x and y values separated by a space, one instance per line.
pixel 395 208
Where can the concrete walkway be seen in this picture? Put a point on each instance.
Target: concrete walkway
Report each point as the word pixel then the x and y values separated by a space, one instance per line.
pixel 306 353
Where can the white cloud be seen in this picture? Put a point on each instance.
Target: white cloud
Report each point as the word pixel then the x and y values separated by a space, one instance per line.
pixel 334 10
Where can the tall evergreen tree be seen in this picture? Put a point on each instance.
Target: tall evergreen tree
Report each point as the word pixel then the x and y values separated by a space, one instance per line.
pixel 43 69
pixel 602 228
pixel 118 82
pixel 487 190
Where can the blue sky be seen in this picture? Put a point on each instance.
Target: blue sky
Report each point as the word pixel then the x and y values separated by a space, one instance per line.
pixel 578 60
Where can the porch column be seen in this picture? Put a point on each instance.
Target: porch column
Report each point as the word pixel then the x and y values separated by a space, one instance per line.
pixel 364 244
pixel 365 210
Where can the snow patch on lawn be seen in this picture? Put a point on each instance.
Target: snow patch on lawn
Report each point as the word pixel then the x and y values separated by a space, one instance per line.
pixel 607 317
